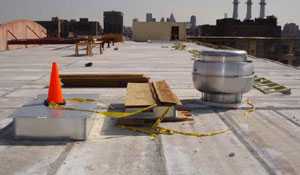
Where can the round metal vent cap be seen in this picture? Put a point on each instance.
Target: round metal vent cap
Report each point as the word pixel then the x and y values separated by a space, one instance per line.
pixel 223 55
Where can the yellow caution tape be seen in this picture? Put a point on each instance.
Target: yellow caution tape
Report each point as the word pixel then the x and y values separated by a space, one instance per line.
pixel 80 100
pixel 251 110
pixel 168 131
pixel 156 130
pixel 153 131
pixel 125 114
pixel 158 121
pixel 149 131
pixel 117 115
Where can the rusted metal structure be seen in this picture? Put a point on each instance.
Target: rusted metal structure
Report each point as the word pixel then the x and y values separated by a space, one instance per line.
pixel 106 39
pixel 20 30
pixel 41 41
pixel 89 43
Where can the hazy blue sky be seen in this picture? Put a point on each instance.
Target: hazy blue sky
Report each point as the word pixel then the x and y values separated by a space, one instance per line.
pixel 207 11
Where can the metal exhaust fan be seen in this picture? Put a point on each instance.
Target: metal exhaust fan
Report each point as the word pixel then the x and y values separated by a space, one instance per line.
pixel 223 76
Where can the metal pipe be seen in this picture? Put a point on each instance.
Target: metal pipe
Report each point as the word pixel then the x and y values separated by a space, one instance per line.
pixel 43 41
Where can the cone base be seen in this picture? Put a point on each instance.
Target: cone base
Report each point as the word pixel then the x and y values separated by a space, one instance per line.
pixel 46 103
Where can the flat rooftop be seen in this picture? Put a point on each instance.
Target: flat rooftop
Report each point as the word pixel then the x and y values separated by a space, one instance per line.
pixel 265 142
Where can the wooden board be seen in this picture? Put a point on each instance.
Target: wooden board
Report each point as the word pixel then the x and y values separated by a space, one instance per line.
pixel 165 94
pixel 139 95
pixel 101 80
pixel 101 76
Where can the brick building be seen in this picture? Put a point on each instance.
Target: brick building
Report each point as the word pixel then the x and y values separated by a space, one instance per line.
pixel 73 28
pixel 260 27
pixel 113 22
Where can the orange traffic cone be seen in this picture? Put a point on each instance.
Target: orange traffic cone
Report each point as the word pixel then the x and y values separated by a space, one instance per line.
pixel 55 95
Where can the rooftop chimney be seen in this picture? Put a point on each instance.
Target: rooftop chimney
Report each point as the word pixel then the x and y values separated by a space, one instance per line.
pixel 249 10
pixel 262 9
pixel 235 9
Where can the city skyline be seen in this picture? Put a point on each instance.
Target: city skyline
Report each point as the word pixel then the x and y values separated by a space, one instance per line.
pixel 206 11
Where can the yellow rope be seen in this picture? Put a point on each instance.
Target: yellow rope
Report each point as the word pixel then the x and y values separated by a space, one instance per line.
pixel 80 100
pixel 156 130
pixel 152 131
pixel 117 115
pixel 251 110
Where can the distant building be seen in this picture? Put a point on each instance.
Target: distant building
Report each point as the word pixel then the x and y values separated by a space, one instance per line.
pixel 193 21
pixel 54 27
pixel 148 17
pixel 135 20
pixel 259 27
pixel 280 49
pixel 291 30
pixel 113 22
pixel 158 31
pixel 64 28
pixel 193 29
pixel 84 27
pixel 172 18
pixel 208 30
pixel 127 32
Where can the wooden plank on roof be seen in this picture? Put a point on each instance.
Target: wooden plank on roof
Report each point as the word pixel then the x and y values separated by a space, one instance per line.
pixel 139 95
pixel 101 76
pixel 165 94
pixel 101 80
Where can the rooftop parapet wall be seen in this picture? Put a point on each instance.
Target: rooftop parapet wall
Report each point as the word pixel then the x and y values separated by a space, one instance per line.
pixel 20 29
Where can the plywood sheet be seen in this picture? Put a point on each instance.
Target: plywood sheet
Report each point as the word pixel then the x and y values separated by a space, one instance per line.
pixel 139 95
pixel 165 94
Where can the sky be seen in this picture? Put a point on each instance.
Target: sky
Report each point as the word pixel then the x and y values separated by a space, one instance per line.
pixel 206 11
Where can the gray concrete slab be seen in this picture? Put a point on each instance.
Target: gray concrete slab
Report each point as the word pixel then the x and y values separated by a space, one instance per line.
pixel 291 115
pixel 274 138
pixel 13 102
pixel 27 92
pixel 210 155
pixel 28 159
pixel 111 154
